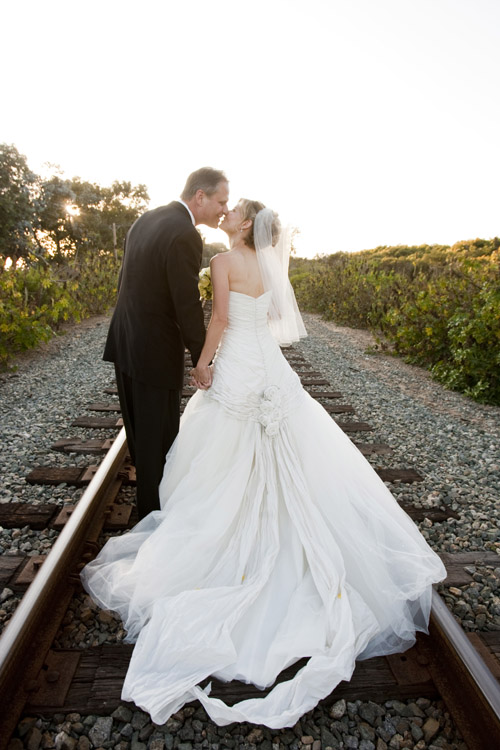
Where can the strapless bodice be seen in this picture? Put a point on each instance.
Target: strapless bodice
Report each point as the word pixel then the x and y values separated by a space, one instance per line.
pixel 249 367
pixel 246 312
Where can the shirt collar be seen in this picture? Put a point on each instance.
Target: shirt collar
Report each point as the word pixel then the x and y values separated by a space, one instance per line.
pixel 189 210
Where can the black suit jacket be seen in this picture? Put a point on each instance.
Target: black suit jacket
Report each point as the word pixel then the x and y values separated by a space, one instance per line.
pixel 158 311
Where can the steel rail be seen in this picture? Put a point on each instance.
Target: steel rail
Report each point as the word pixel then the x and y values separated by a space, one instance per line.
pixel 19 635
pixel 463 679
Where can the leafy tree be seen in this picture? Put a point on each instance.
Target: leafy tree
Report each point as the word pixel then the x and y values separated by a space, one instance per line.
pixel 55 218
pixel 55 235
pixel 121 204
pixel 209 250
pixel 77 216
pixel 18 187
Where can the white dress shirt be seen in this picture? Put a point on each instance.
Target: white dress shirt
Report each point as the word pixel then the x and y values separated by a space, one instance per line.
pixel 190 212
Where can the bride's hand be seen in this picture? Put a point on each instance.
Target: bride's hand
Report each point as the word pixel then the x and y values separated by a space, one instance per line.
pixel 202 377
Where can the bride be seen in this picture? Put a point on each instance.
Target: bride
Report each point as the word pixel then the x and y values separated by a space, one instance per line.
pixel 276 540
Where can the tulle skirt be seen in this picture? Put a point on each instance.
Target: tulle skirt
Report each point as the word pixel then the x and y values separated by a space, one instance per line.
pixel 271 545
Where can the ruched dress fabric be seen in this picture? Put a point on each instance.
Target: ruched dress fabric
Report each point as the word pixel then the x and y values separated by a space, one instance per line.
pixel 276 541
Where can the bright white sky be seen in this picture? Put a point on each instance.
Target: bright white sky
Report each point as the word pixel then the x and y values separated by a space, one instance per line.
pixel 362 122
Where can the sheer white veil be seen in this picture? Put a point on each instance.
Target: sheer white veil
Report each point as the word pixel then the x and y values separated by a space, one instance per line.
pixel 285 320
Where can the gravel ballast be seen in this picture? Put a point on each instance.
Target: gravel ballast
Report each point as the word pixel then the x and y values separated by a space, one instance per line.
pixel 419 724
pixel 38 401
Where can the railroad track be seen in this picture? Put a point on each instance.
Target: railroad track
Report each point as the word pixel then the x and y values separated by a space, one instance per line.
pixel 36 678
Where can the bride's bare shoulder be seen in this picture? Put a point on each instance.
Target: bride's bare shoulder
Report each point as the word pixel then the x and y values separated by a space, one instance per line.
pixel 229 259
pixel 221 259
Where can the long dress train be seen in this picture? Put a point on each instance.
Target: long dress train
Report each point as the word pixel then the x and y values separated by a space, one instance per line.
pixel 276 541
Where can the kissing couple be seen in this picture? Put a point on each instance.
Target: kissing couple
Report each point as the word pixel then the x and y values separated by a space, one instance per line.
pixel 264 534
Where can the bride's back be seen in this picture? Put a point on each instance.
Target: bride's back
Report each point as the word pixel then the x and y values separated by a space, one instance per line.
pixel 244 274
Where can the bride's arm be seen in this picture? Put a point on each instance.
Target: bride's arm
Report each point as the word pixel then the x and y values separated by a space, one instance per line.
pixel 219 272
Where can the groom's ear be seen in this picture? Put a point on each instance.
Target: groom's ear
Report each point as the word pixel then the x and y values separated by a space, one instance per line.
pixel 199 195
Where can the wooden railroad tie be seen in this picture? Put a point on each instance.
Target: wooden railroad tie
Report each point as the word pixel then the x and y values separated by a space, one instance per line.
pixel 319 395
pixel 460 565
pixel 98 423
pixel 92 679
pixel 316 381
pixel 355 426
pixel 188 390
pixel 9 566
pixel 77 445
pixel 77 476
pixel 117 516
pixel 338 408
pixel 399 475
pixel 369 449
pixel 50 515
pixel 100 406
pixel 17 515
pixel 436 515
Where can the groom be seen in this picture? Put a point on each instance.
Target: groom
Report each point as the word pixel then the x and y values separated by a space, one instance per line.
pixel 157 315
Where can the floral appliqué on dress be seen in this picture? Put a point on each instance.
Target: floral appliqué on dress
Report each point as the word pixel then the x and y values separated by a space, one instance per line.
pixel 270 411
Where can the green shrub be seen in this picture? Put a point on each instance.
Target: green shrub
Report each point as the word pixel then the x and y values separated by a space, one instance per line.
pixel 436 306
pixel 36 300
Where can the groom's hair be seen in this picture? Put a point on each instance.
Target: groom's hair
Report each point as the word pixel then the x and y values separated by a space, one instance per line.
pixel 206 179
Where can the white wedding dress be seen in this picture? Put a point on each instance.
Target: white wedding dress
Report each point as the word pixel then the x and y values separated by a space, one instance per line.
pixel 276 541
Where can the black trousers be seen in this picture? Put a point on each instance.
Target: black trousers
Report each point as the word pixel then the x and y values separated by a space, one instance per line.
pixel 151 418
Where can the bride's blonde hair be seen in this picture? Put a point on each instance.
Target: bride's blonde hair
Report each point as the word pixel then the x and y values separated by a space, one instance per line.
pixel 249 210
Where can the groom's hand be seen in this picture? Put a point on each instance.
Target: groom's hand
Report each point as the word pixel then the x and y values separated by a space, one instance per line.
pixel 202 377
